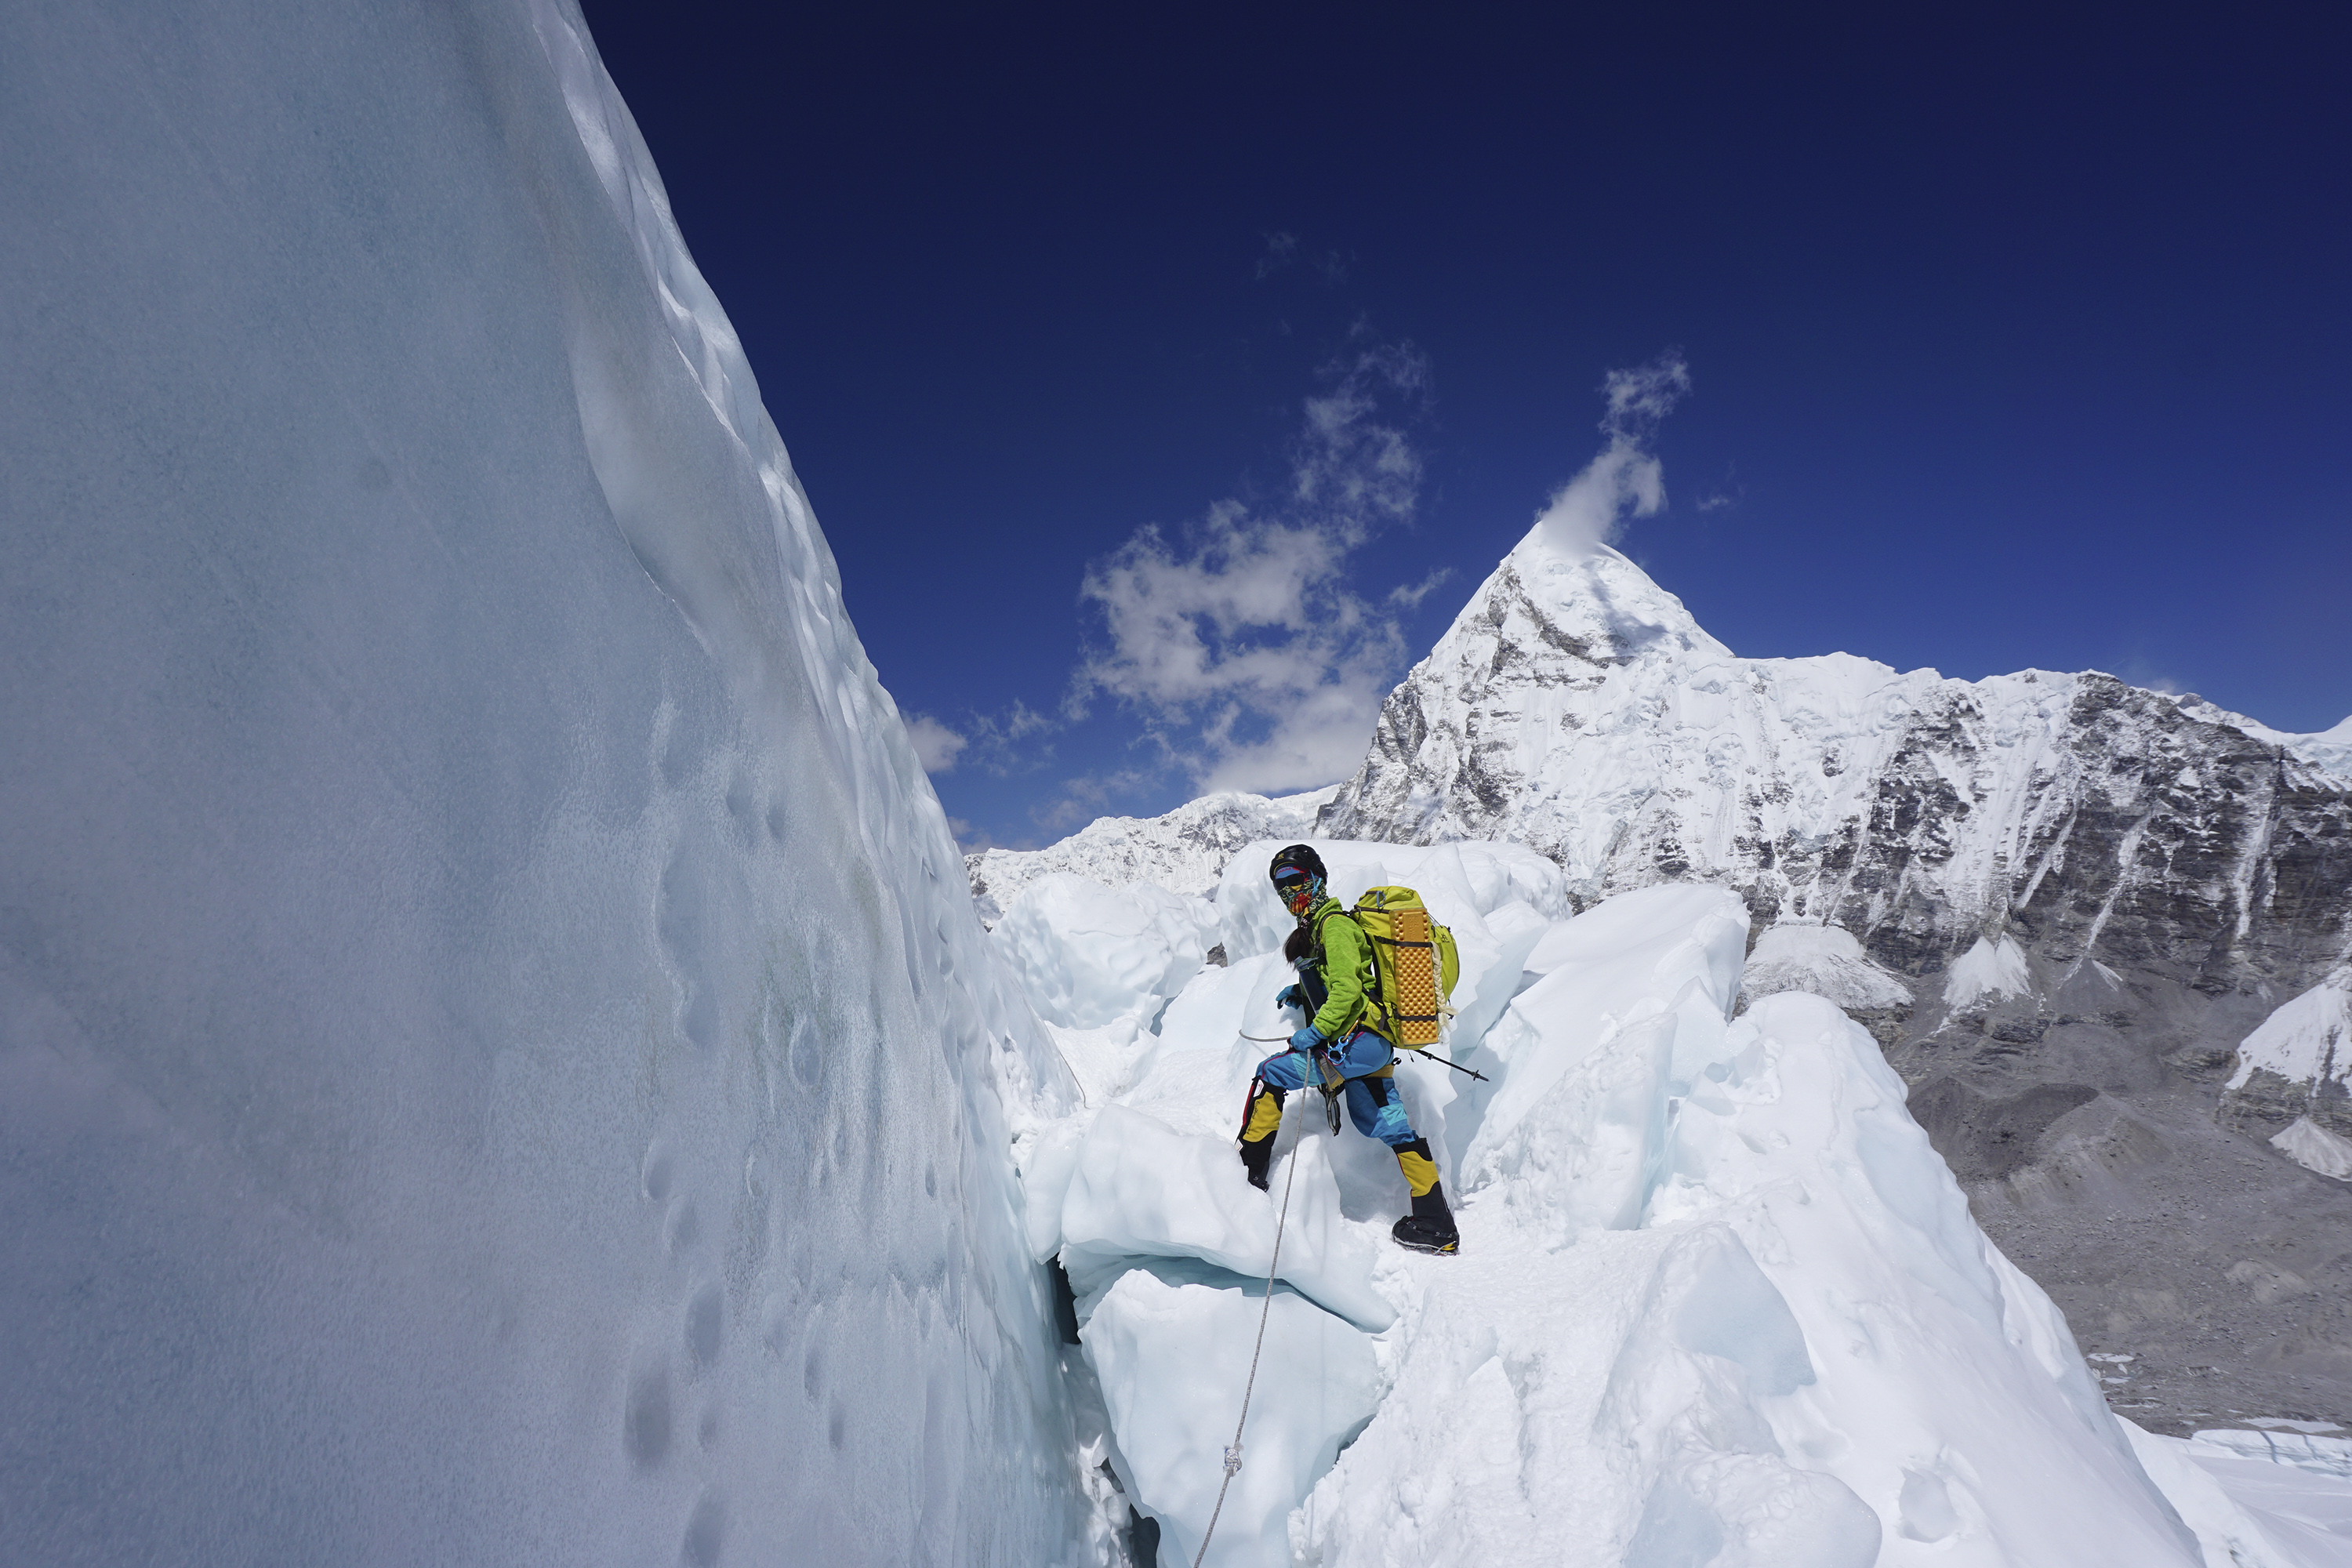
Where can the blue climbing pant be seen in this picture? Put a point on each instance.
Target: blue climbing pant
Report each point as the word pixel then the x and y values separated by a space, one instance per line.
pixel 1368 1064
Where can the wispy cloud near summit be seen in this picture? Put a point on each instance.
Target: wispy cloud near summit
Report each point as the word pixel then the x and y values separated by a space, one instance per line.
pixel 1623 478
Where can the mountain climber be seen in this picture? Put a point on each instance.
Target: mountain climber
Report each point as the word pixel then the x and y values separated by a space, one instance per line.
pixel 1339 1046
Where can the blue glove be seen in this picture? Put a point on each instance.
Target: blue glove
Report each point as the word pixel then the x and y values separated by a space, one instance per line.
pixel 1290 996
pixel 1306 1040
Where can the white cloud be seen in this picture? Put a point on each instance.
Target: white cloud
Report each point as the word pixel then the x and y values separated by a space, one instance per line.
pixel 1281 250
pixel 992 742
pixel 1255 662
pixel 936 746
pixel 1409 595
pixel 1589 510
pixel 1082 799
pixel 1729 493
pixel 1320 740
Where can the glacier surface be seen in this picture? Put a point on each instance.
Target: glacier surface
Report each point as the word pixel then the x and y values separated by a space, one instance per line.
pixel 1718 1302
pixel 496 1061
pixel 1822 960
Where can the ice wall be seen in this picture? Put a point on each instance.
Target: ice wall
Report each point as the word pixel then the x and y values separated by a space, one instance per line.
pixel 496 1062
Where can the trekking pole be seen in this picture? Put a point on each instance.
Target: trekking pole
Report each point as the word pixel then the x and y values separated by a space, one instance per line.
pixel 1457 1066
pixel 1433 1055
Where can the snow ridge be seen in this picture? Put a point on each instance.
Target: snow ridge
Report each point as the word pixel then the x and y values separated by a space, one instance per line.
pixel 1184 851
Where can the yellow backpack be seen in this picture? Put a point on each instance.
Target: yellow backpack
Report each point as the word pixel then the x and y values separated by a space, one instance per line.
pixel 1415 961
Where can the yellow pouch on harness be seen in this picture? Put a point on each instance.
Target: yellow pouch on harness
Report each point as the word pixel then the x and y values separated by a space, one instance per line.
pixel 1415 961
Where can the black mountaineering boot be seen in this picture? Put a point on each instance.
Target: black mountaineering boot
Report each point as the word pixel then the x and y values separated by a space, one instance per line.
pixel 1430 1226
pixel 1263 1110
pixel 1255 1157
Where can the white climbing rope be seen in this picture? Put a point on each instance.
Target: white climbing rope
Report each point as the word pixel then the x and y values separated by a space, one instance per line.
pixel 1234 1454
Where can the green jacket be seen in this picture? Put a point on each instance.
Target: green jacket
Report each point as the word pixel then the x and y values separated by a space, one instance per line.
pixel 1351 991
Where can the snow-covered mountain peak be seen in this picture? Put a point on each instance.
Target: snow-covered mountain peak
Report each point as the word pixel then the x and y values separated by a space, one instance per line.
pixel 1576 708
pixel 2057 900
pixel 1600 608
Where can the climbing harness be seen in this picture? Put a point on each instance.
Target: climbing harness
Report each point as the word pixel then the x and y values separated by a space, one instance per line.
pixel 1234 1454
pixel 1332 1088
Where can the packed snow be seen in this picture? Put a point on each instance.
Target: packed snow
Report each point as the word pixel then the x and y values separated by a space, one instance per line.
pixel 1823 960
pixel 1320 1378
pixel 2257 1499
pixel 2307 1041
pixel 1088 955
pixel 1993 968
pixel 2297 1064
pixel 1717 1301
pixel 2315 1148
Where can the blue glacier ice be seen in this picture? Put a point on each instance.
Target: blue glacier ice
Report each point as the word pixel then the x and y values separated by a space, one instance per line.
pixel 496 1061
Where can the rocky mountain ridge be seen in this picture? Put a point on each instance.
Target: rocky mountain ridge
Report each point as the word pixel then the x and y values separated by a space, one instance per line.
pixel 1575 707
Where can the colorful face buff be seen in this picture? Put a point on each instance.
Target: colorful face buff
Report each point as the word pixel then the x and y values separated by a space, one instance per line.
pixel 1298 894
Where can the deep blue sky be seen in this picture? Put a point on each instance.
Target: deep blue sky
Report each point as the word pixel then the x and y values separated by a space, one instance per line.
pixel 2012 343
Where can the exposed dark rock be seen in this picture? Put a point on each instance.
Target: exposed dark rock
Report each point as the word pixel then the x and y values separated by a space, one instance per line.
pixel 2267 1102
